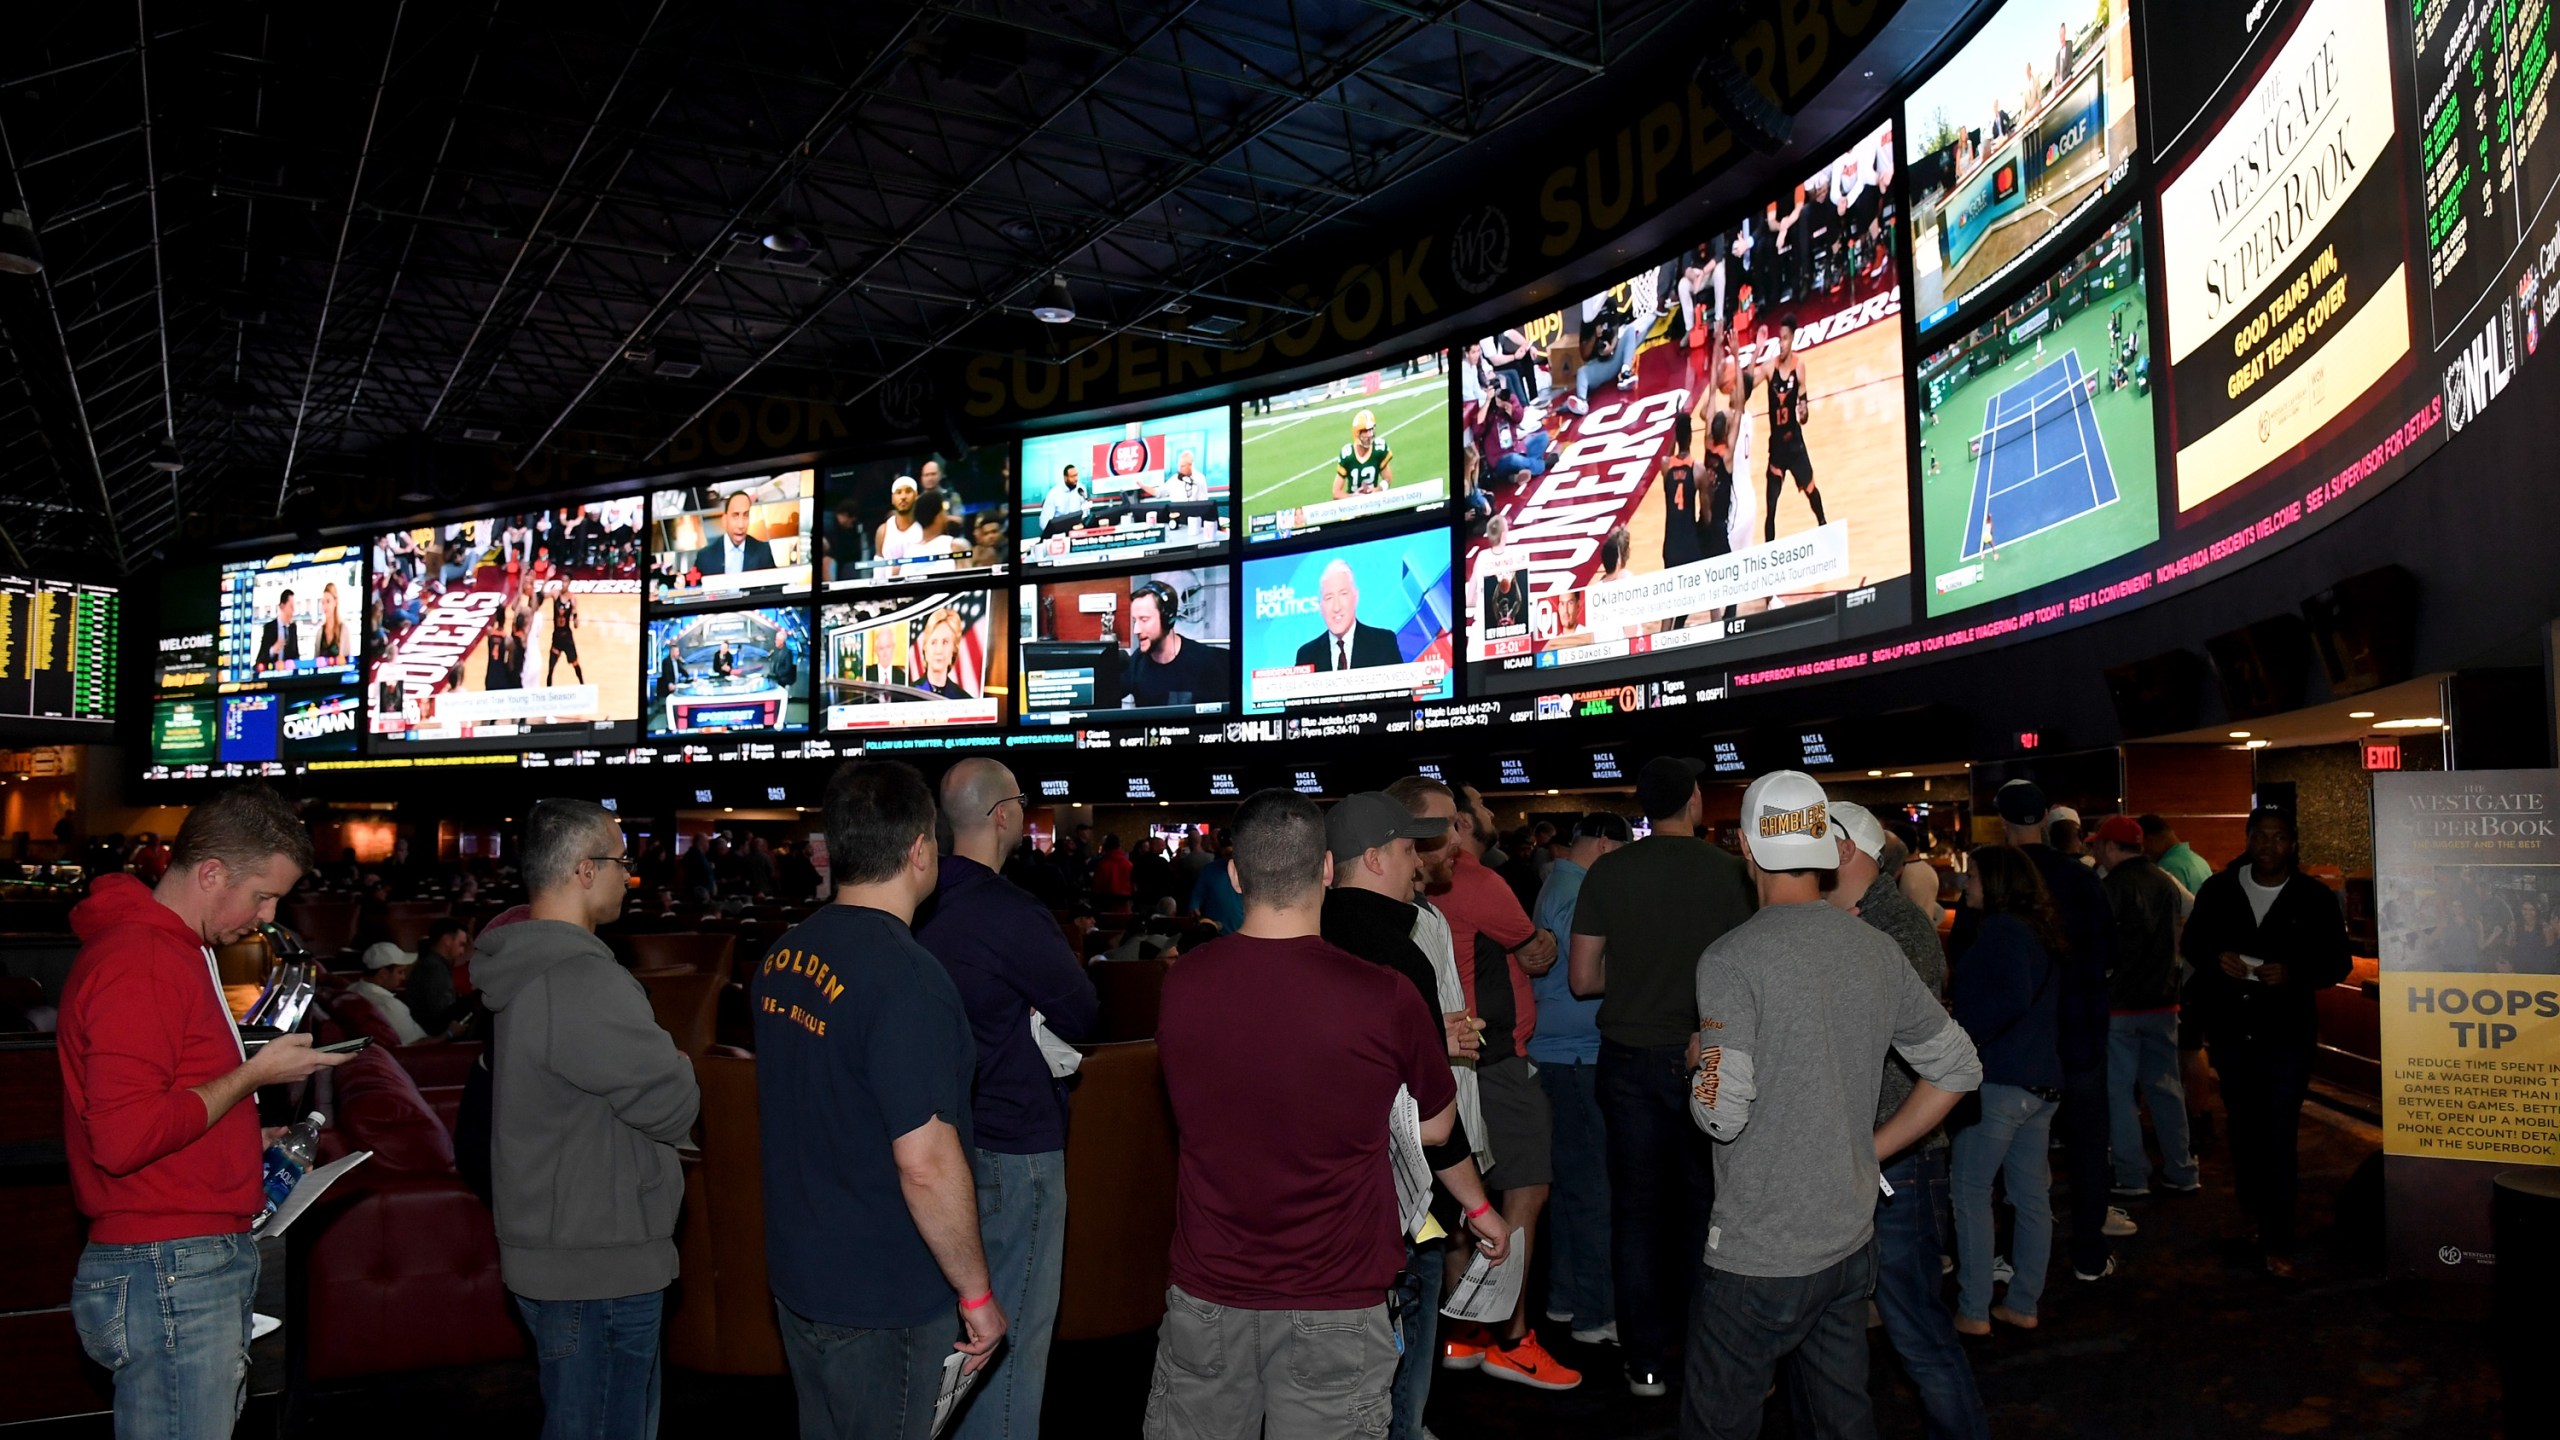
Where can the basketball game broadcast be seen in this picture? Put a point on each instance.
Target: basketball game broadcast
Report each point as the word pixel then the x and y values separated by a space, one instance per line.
pixel 1360 446
pixel 2038 458
pixel 1706 454
pixel 482 634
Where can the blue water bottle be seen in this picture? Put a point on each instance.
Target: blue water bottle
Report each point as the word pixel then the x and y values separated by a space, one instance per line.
pixel 293 1153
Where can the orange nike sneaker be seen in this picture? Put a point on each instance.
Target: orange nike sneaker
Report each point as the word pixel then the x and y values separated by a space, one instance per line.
pixel 1528 1363
pixel 1465 1347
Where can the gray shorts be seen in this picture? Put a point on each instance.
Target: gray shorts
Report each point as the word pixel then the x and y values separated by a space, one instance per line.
pixel 1224 1371
pixel 1522 1125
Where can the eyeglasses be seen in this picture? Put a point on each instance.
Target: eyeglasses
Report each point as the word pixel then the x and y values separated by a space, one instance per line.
pixel 1009 799
pixel 623 860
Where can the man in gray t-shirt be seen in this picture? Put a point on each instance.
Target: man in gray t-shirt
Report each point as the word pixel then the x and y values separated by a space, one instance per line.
pixel 1800 1004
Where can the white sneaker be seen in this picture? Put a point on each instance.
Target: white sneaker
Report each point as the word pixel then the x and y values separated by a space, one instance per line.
pixel 2002 1272
pixel 1605 1335
pixel 1561 1317
pixel 2118 1223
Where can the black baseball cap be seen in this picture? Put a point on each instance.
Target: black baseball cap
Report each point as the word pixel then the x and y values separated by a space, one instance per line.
pixel 1604 825
pixel 2020 802
pixel 1358 824
pixel 1665 783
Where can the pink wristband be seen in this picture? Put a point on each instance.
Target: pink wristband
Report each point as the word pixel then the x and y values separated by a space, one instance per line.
pixel 980 1303
pixel 1479 1210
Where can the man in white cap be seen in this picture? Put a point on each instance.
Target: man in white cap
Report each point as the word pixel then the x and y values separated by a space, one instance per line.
pixel 1799 1006
pixel 386 969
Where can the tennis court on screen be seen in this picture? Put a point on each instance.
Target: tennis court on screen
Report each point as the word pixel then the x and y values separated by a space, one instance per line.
pixel 2039 460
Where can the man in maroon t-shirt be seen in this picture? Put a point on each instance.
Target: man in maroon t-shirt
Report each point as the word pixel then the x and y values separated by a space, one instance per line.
pixel 1498 949
pixel 1282 1055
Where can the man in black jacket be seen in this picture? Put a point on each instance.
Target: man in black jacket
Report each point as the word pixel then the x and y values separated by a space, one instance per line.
pixel 2080 903
pixel 2142 1024
pixel 1369 912
pixel 2265 940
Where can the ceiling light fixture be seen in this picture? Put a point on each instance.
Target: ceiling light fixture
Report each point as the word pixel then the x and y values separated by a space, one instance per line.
pixel 166 459
pixel 1901 774
pixel 788 240
pixel 19 253
pixel 1057 306
pixel 2359 714
pixel 2255 745
pixel 2239 734
pixel 2426 722
pixel 1875 774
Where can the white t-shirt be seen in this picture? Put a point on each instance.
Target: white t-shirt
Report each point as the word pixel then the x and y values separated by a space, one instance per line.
pixel 2261 897
pixel 901 543
pixel 393 1010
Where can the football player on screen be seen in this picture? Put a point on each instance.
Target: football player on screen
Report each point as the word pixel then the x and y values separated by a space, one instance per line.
pixel 1366 465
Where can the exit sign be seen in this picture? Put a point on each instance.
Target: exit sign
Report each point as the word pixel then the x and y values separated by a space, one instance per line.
pixel 2382 754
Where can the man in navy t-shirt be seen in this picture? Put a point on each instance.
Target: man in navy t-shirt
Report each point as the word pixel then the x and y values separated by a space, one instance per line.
pixel 1282 1056
pixel 863 1064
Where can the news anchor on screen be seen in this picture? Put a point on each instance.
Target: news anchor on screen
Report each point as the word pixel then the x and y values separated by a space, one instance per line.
pixel 1065 505
pixel 280 644
pixel 736 552
pixel 1346 644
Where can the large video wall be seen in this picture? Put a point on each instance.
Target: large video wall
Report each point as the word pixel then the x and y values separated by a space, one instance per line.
pixel 1991 367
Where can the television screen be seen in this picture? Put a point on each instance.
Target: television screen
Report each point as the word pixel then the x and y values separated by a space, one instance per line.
pixel 57 649
pixel 507 631
pixel 1153 646
pixel 2037 453
pixel 185 731
pixel 729 671
pixel 1710 455
pixel 249 729
pixel 1365 621
pixel 324 724
pixel 2014 135
pixel 285 618
pixel 919 660
pixel 714 541
pixel 916 517
pixel 1144 490
pixel 1366 445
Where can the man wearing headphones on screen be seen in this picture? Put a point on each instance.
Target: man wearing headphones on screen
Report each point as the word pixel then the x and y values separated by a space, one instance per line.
pixel 1165 666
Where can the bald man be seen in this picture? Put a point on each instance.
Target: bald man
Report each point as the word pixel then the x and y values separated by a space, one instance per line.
pixel 1346 644
pixel 1013 969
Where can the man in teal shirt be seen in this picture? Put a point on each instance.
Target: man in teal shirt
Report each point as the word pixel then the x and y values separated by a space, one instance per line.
pixel 2174 856
pixel 1566 1051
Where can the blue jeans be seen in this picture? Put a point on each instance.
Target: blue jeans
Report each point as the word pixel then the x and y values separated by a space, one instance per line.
pixel 170 1320
pixel 1418 1315
pixel 1022 1220
pixel 2142 1068
pixel 866 1384
pixel 1578 1206
pixel 1662 1184
pixel 1607 368
pixel 599 1361
pixel 1741 1326
pixel 1910 1238
pixel 2015 1130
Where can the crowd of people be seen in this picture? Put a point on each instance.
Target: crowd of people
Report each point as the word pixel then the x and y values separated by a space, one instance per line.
pixel 1746 1090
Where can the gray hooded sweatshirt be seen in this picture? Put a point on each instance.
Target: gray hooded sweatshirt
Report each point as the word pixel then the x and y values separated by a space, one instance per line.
pixel 589 1100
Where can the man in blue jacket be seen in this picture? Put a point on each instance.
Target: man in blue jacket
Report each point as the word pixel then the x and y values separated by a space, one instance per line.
pixel 1009 961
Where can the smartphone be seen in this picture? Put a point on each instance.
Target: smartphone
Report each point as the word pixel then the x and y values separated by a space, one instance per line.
pixel 347 1047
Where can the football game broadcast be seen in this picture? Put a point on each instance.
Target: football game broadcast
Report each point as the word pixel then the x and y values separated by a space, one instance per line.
pixel 286 618
pixel 1365 445
pixel 507 631
pixel 916 517
pixel 731 671
pixel 1150 646
pixel 2018 132
pixel 1710 453
pixel 720 540
pixel 1368 621
pixel 2037 453
pixel 920 660
pixel 1140 490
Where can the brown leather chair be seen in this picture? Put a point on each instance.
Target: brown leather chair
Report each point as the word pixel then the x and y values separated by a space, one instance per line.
pixel 405 922
pixel 1132 994
pixel 1120 1156
pixel 687 1004
pixel 682 949
pixel 720 1318
pixel 327 924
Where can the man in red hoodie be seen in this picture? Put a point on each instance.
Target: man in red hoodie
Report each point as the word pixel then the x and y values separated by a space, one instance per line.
pixel 159 1121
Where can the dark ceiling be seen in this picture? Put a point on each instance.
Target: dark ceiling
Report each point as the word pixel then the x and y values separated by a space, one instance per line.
pixel 299 238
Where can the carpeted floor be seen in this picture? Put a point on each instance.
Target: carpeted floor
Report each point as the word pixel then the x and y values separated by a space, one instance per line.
pixel 2186 1340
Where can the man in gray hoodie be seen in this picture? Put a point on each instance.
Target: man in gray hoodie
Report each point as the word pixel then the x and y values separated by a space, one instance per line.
pixel 591 1099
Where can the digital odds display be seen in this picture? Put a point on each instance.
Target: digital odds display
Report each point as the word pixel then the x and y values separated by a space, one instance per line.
pixel 919 661
pixel 1368 621
pixel 1150 646
pixel 916 518
pixel 1710 453
pixel 716 541
pixel 1126 492
pixel 1357 448
pixel 2037 453
pixel 2022 129
pixel 507 631
pixel 730 671
pixel 291 617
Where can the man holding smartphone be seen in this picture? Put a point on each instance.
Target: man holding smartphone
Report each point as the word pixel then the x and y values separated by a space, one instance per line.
pixel 159 1121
